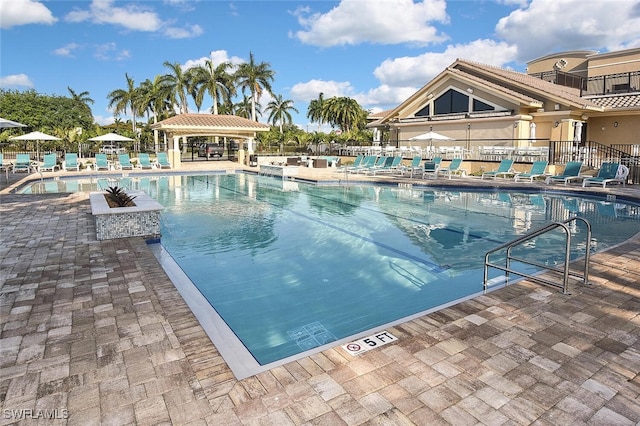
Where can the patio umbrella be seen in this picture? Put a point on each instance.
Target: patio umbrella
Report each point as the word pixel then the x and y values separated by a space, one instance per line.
pixel 111 137
pixel 35 136
pixel 4 124
pixel 431 136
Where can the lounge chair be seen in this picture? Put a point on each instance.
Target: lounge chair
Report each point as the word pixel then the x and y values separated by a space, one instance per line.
pixel 571 172
pixel 71 162
pixel 389 166
pixel 124 162
pixel 356 163
pixel 608 173
pixel 454 168
pixel 366 163
pixel 414 166
pixel 50 163
pixel 102 163
pixel 431 167
pixel 503 169
pixel 144 162
pixel 22 163
pixel 537 170
pixel 371 164
pixel 163 161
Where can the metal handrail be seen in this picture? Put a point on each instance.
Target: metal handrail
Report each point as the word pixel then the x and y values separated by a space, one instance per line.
pixel 565 270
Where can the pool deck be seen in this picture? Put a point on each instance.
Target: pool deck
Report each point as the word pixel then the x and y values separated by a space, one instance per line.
pixel 94 332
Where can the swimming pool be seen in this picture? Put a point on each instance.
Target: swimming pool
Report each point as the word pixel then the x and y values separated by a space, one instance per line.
pixel 290 267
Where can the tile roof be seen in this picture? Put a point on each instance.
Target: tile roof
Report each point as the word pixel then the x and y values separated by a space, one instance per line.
pixel 570 95
pixel 617 101
pixel 212 121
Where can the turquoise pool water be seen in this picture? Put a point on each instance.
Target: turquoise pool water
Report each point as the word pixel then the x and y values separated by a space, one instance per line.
pixel 292 266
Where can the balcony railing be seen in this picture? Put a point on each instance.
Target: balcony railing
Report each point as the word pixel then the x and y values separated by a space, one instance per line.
pixel 611 84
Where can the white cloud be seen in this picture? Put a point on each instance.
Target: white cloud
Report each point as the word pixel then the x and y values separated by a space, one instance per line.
pixel 131 17
pixel 310 90
pixel 66 50
pixel 418 70
pixel 382 22
pixel 187 32
pixel 16 80
pixel 14 13
pixel 109 52
pixel 548 26
pixel 216 56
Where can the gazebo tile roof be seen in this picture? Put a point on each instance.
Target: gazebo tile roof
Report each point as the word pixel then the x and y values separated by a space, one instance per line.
pixel 211 120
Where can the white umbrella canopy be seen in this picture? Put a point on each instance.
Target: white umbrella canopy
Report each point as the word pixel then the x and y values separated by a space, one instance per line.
pixel 35 136
pixel 111 137
pixel 4 124
pixel 433 136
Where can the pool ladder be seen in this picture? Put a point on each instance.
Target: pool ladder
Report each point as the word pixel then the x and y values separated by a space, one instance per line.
pixel 564 270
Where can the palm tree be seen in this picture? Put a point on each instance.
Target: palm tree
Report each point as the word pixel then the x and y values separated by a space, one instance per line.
pixel 245 108
pixel 123 99
pixel 157 101
pixel 345 113
pixel 82 97
pixel 256 78
pixel 180 84
pixel 214 80
pixel 316 111
pixel 280 111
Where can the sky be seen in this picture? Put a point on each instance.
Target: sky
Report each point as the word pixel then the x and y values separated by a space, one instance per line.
pixel 378 52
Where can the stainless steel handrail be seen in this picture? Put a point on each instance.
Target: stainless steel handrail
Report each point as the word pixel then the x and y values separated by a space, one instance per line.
pixel 565 270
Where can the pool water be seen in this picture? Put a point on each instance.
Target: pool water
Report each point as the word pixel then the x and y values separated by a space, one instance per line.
pixel 291 266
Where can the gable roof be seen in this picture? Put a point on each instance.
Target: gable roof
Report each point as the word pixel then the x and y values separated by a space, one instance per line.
pixel 528 91
pixel 522 81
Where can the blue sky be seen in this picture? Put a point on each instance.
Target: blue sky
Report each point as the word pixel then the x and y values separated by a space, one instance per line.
pixel 378 52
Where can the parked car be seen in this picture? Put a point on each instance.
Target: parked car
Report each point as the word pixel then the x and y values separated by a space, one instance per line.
pixel 211 150
pixel 112 149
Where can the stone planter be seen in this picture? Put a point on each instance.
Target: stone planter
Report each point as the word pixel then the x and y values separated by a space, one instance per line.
pixel 143 220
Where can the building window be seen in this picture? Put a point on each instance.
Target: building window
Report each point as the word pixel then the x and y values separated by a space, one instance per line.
pixel 451 102
pixel 481 106
pixel 424 112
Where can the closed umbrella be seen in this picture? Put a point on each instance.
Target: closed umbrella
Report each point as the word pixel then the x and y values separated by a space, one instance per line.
pixel 35 136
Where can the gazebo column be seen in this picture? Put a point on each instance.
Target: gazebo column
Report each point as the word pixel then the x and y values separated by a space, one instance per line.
pixel 174 152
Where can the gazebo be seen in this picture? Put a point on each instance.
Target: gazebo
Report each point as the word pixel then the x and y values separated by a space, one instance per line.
pixel 186 125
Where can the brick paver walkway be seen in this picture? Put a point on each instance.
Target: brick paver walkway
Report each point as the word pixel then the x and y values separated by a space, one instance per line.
pixel 93 332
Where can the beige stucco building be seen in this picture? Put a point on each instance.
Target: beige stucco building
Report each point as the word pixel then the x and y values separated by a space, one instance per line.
pixel 581 100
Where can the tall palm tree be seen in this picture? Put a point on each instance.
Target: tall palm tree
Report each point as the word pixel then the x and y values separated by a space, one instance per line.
pixel 82 97
pixel 157 101
pixel 214 80
pixel 126 99
pixel 317 110
pixel 280 111
pixel 256 78
pixel 180 84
